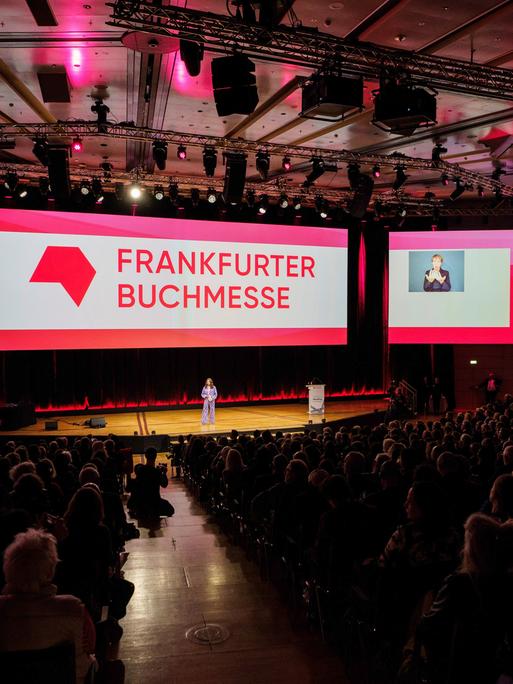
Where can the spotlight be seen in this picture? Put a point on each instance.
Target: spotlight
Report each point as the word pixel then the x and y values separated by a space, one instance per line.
pixel 458 190
pixel 297 203
pixel 262 164
pixel 400 178
pixel 318 168
pixel 119 191
pixel 195 197
pixel 353 175
pixel 44 186
pixel 286 164
pixel 376 171
pixel 401 211
pixel 211 196
pixel 480 191
pixel 250 198
pixel 11 181
pixel 40 150
pixel 263 204
pixel 322 206
pixel 77 145
pixel 85 188
pixel 135 191
pixel 284 201
pixel 106 167
pixel 209 161
pixel 173 193
pixel 158 193
pixel 101 110
pixel 181 152
pixel 444 178
pixel 160 153
pixel 23 193
pixel 437 152
pixel 97 190
pixel 191 54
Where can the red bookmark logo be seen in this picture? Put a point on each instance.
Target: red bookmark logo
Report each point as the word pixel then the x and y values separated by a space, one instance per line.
pixel 67 266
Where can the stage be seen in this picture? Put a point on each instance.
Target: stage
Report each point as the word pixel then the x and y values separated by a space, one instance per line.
pixel 174 422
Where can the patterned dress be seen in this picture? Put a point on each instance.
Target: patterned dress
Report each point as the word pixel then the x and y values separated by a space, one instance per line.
pixel 208 414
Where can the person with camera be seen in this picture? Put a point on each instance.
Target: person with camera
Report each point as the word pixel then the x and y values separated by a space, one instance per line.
pixel 145 499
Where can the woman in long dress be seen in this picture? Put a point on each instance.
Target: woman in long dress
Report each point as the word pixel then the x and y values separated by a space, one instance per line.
pixel 209 394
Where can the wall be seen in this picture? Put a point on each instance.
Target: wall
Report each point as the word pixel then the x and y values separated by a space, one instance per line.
pixel 498 358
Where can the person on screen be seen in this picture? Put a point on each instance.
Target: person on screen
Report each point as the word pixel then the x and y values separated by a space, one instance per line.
pixel 436 279
pixel 209 394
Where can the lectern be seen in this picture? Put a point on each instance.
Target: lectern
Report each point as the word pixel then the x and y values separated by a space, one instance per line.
pixel 315 399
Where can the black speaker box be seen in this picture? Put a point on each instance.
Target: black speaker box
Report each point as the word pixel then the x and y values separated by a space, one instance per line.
pixel 51 424
pixel 234 177
pixel 234 85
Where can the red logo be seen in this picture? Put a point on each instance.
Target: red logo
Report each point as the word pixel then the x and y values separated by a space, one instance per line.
pixel 67 266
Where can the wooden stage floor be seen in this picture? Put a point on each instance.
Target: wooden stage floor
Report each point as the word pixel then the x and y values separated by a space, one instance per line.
pixel 187 421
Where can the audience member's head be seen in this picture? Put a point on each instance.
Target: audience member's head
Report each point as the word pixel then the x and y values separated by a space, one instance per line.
pixel 30 562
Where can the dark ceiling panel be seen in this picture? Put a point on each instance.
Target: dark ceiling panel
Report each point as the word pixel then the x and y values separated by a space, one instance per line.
pixel 42 12
pixel 54 84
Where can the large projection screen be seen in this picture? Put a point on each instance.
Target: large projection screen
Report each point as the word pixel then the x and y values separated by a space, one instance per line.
pixel 83 281
pixel 451 287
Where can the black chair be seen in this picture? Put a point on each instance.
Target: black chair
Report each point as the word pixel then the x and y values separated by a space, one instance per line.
pixel 53 665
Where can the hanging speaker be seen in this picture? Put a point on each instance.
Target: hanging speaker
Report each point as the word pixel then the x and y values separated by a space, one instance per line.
pixel 234 177
pixel 234 84
pixel 363 186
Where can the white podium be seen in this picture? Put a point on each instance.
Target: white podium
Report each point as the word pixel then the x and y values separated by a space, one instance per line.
pixel 315 399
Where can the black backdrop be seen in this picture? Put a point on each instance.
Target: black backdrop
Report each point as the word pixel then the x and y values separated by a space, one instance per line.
pixel 175 376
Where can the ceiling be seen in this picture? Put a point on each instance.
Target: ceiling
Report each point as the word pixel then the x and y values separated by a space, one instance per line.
pixel 95 60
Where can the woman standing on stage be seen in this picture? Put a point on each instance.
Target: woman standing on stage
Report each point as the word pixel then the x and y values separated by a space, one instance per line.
pixel 209 394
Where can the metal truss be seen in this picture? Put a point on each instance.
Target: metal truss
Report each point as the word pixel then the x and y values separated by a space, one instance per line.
pixel 124 131
pixel 309 48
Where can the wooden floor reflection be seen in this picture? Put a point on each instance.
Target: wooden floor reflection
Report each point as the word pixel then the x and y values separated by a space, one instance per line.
pixel 188 573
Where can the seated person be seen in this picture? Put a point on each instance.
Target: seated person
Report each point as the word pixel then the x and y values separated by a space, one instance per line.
pixel 145 499
pixel 32 616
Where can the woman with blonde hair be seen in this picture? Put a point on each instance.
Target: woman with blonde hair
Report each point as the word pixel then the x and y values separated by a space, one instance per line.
pixel 471 617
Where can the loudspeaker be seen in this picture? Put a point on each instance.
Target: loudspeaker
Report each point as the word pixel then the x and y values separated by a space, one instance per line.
pixel 363 186
pixel 331 96
pixel 234 177
pixel 234 85
pixel 51 424
pixel 98 422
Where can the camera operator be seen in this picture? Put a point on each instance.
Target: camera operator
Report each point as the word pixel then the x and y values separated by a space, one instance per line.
pixel 145 500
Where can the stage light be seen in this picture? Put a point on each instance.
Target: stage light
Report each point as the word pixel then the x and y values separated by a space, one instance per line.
pixel 250 198
pixel 77 145
pixel 263 204
pixel 400 178
pixel 262 164
pixel 181 152
pixel 378 209
pixel 211 196
pixel 97 190
pixel 497 173
pixel 135 191
pixel 160 154
pixel 40 150
pixel 444 178
pixel 429 196
pixel 44 186
pixel 458 190
pixel 191 54
pixel 195 196
pixel 284 201
pixel 353 175
pixel 173 193
pixel 11 180
pixel 297 203
pixel 101 110
pixel 318 168
pixel 286 164
pixel 480 191
pixel 401 211
pixel 85 188
pixel 376 171
pixel 119 191
pixel 23 193
pixel 158 193
pixel 209 161
pixel 106 167
pixel 322 206
pixel 437 152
